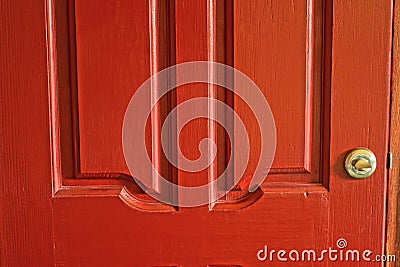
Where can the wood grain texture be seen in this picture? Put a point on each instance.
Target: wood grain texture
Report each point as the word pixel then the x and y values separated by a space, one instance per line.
pixel 193 237
pixel 102 219
pixel 160 58
pixel 279 46
pixel 319 215
pixel 65 129
pixel 219 29
pixel 228 223
pixel 200 38
pixel 361 48
pixel 25 187
pixel 192 45
pixel 393 208
pixel 107 80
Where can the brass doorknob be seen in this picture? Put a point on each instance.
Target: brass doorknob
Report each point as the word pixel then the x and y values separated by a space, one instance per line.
pixel 360 163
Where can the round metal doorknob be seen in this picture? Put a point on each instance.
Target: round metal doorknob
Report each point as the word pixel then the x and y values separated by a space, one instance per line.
pixel 360 163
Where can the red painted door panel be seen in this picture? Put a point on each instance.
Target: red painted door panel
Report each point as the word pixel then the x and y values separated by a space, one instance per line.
pixel 322 65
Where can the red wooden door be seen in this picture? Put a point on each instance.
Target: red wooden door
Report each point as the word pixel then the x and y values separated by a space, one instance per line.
pixel 322 65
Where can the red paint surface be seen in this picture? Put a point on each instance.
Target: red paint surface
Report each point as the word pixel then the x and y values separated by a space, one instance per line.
pixel 323 67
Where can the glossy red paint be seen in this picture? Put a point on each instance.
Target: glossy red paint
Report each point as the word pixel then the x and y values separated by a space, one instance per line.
pixel 323 66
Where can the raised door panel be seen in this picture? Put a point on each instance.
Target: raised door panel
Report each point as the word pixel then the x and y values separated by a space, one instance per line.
pixel 100 55
pixel 112 61
pixel 280 47
pixel 114 47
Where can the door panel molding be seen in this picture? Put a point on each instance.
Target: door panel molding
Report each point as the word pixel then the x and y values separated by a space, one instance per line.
pixel 68 180
pixel 72 178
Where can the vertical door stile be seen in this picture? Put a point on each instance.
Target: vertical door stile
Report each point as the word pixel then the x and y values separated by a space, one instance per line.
pixel 212 94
